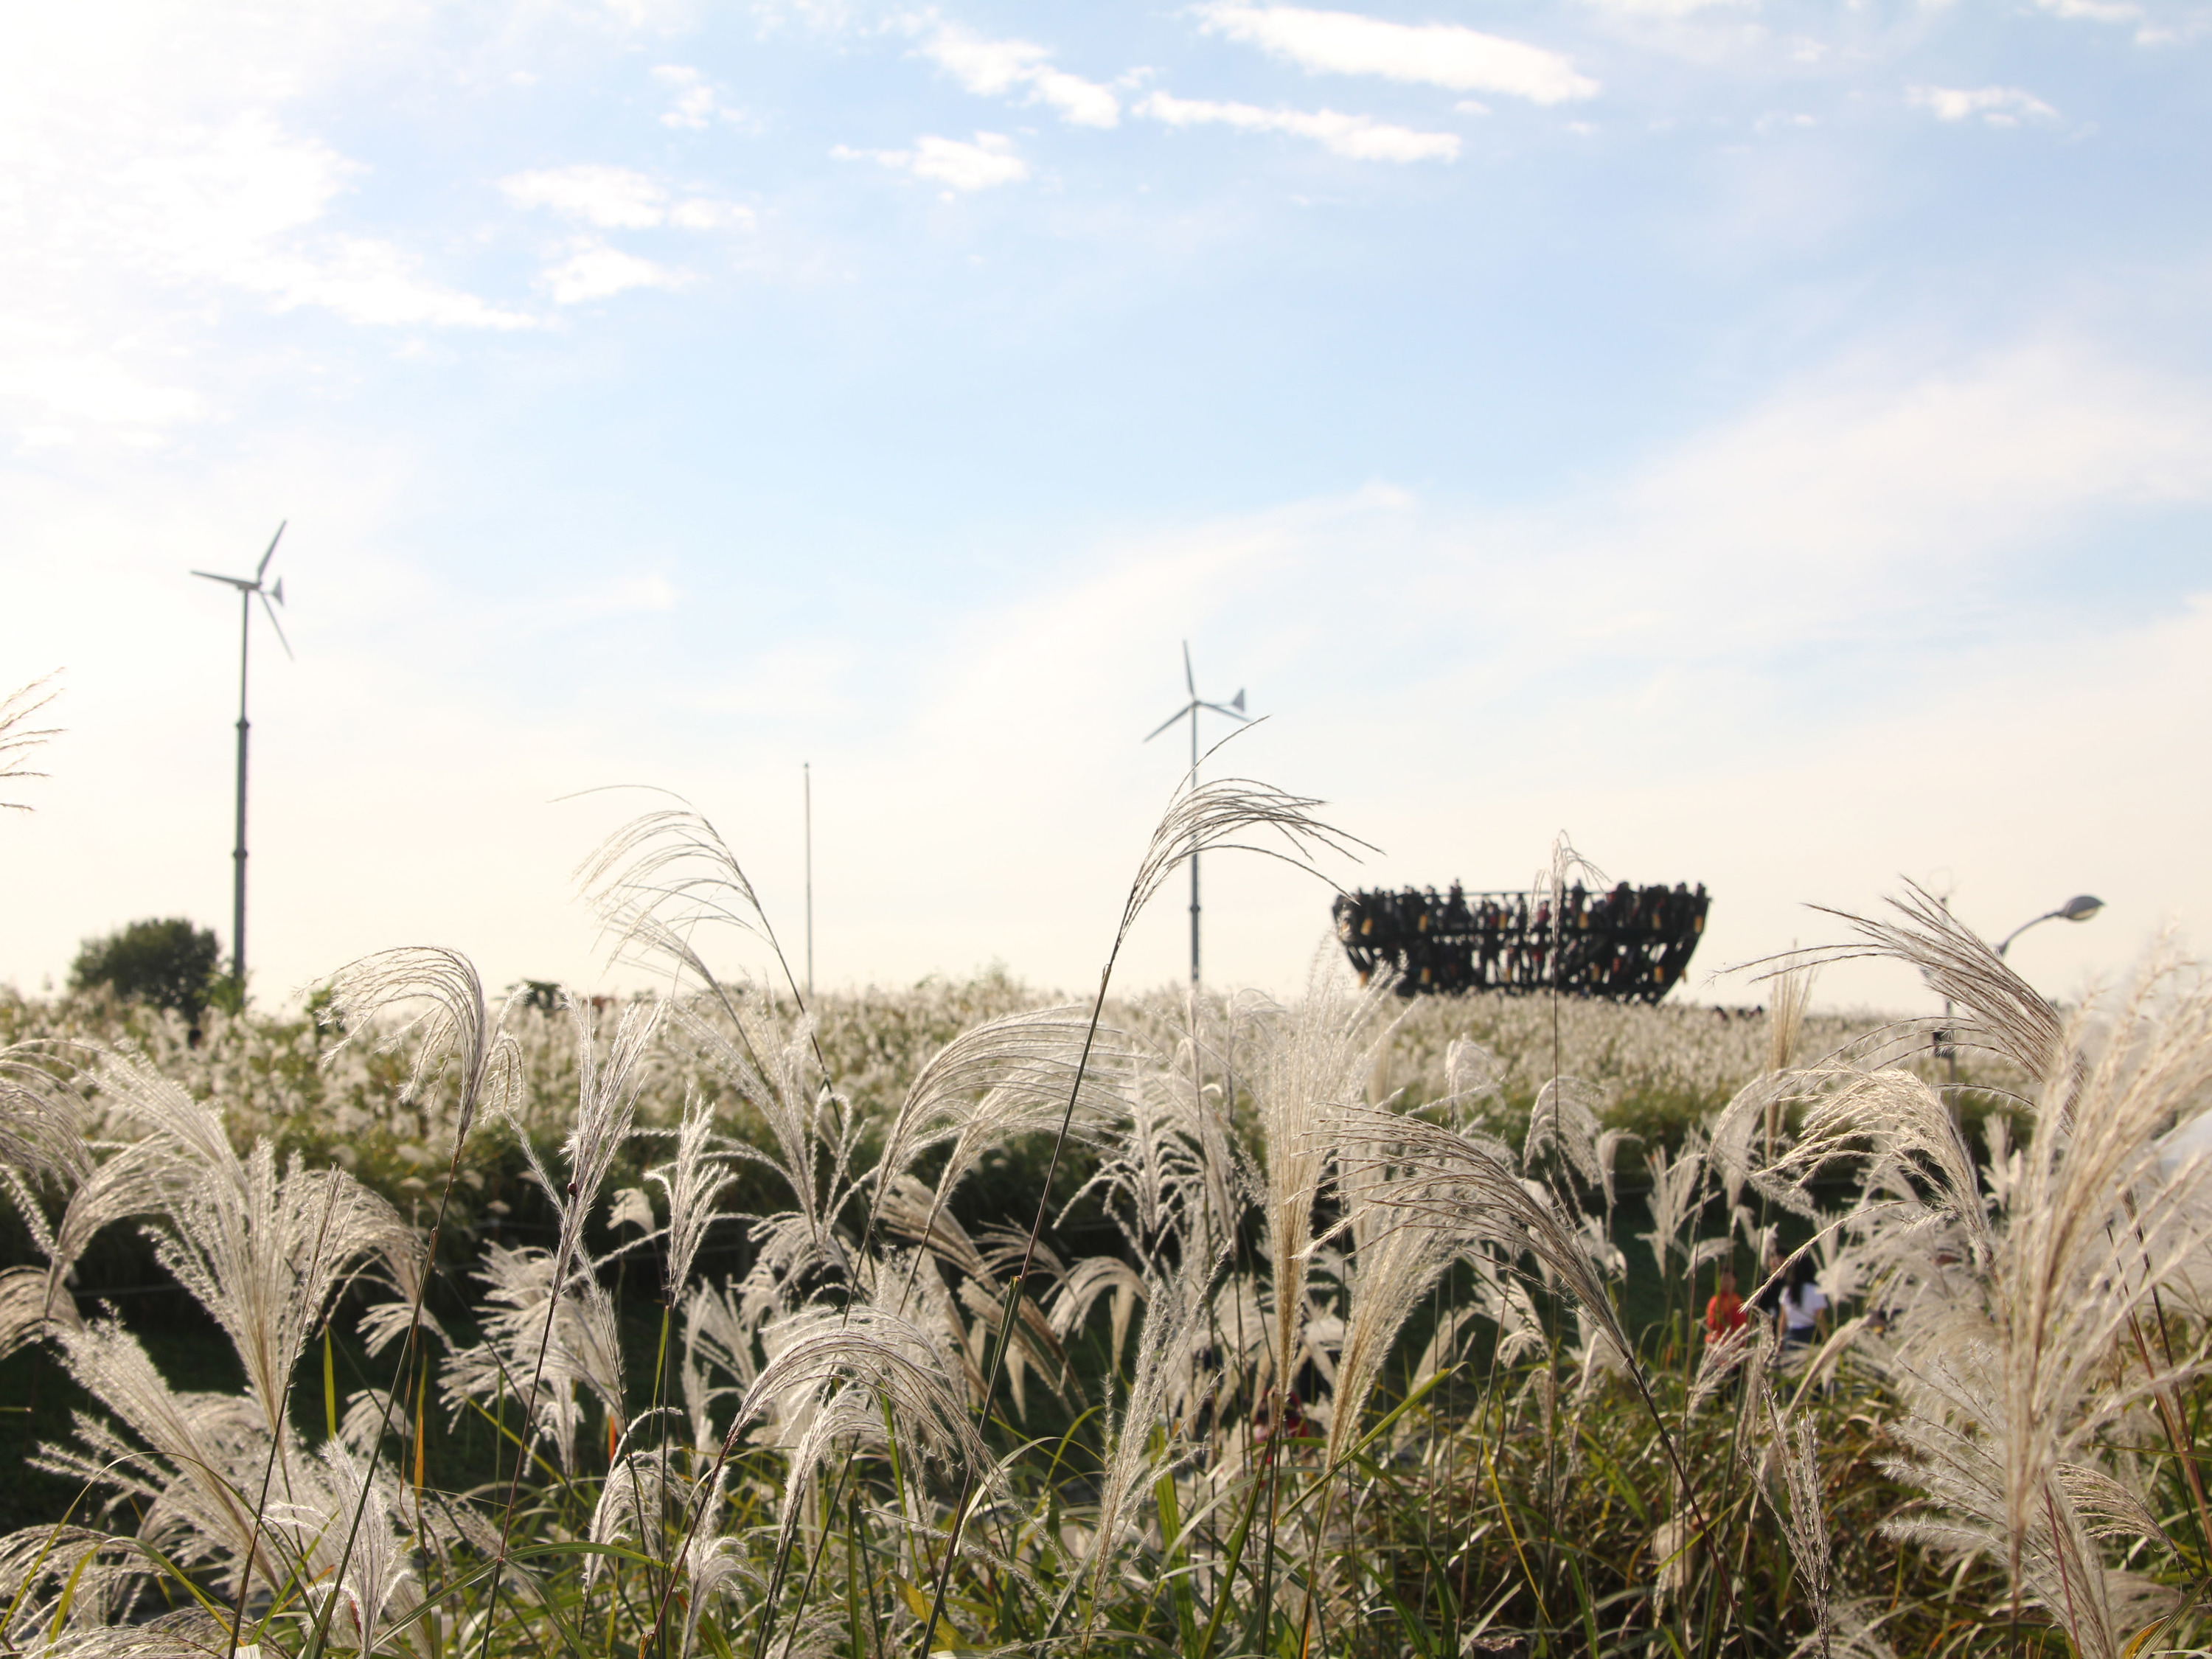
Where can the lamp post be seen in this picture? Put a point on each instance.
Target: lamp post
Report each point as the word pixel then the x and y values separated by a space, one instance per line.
pixel 2080 907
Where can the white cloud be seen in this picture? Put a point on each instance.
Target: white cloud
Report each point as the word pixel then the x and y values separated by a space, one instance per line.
pixel 368 280
pixel 597 271
pixel 702 213
pixel 1433 54
pixel 615 198
pixel 989 161
pixel 2001 106
pixel 697 108
pixel 1358 137
pixel 994 68
pixel 2093 11
pixel 1668 8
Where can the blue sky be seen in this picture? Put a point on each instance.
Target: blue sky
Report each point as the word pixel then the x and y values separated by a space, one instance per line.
pixel 1772 443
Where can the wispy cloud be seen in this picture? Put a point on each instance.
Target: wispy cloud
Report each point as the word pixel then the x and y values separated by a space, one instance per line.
pixel 596 271
pixel 697 106
pixel 988 162
pixel 1358 137
pixel 616 198
pixel 994 68
pixel 2001 106
pixel 1432 54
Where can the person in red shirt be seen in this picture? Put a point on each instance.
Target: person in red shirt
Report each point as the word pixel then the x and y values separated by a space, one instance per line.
pixel 1724 1313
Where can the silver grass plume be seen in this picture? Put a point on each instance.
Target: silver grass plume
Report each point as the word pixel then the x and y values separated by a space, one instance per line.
pixel 1564 1118
pixel 876 1355
pixel 694 1183
pixel 42 1114
pixel 1676 1184
pixel 910 1211
pixel 1309 1077
pixel 542 1342
pixel 266 1255
pixel 1804 1518
pixel 188 1462
pixel 660 878
pixel 1175 1173
pixel 2015 1376
pixel 814 1129
pixel 450 1024
pixel 18 738
pixel 1396 1259
pixel 63 1578
pixel 1174 1322
pixel 364 1581
pixel 2006 1016
pixel 1007 1077
pixel 1470 1187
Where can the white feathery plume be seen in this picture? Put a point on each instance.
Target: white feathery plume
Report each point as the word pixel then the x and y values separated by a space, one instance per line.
pixel 1307 1079
pixel 2037 1348
pixel 1564 1117
pixel 1675 1184
pixel 18 738
pixel 1396 1259
pixel 910 1211
pixel 1174 1321
pixel 53 1580
pixel 190 1461
pixel 814 1129
pixel 694 1183
pixel 403 1257
pixel 41 1115
pixel 566 1340
pixel 453 1025
pixel 1804 1518
pixel 2002 1012
pixel 32 1304
pixel 266 1259
pixel 632 1206
pixel 1080 1288
pixel 1010 1076
pixel 373 1575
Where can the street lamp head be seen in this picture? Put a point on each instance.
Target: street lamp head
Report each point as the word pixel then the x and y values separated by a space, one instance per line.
pixel 2081 906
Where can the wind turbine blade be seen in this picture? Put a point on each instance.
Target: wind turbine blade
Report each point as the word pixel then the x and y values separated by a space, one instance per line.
pixel 1189 683
pixel 1168 721
pixel 239 582
pixel 1235 702
pixel 278 591
pixel 1233 713
pixel 279 627
pixel 263 567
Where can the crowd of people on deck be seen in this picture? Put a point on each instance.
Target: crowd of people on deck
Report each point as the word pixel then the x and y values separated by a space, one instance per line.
pixel 1628 944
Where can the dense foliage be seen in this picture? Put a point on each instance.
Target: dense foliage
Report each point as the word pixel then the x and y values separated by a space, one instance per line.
pixel 167 962
pixel 1220 1327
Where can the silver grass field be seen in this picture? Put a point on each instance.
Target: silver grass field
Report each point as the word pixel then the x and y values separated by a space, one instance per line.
pixel 1201 1327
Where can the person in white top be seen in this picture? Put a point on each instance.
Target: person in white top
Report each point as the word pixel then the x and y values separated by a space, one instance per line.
pixel 1804 1314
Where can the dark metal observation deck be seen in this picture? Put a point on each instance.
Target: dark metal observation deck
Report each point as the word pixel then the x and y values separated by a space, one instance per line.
pixel 1626 944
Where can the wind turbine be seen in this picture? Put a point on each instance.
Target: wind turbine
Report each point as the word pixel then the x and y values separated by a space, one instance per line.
pixel 1235 710
pixel 246 589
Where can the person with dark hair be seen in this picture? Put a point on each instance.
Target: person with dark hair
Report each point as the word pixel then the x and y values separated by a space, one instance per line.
pixel 1804 1310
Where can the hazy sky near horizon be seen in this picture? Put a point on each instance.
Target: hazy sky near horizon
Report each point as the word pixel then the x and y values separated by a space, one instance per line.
pixel 1770 442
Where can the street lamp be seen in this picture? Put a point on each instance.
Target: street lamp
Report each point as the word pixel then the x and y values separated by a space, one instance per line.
pixel 2080 907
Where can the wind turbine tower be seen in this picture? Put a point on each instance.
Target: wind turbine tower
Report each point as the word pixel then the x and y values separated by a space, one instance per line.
pixel 1235 709
pixel 248 588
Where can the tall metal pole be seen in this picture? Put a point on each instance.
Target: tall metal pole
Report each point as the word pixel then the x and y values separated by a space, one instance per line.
pixel 806 774
pixel 238 854
pixel 1193 852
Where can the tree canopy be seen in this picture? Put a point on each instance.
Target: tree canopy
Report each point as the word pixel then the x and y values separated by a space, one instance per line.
pixel 168 962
